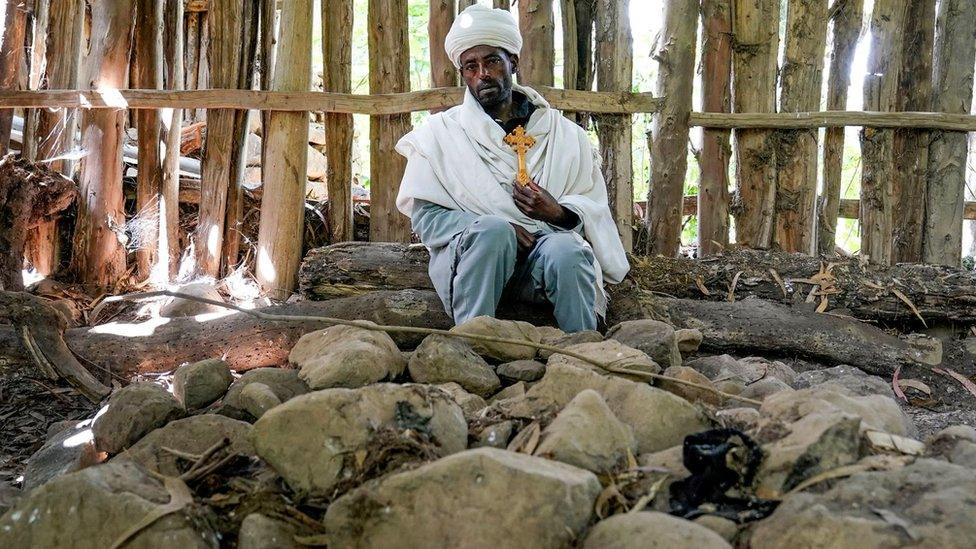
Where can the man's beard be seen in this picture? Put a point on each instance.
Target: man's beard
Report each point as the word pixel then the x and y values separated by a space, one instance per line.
pixel 496 95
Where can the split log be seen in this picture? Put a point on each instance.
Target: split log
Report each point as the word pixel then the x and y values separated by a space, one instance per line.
pixel 614 68
pixel 948 151
pixel 337 24
pixel 11 58
pixel 669 129
pixel 846 17
pixel 571 65
pixel 713 188
pixel 39 20
pixel 175 78
pixel 537 25
pixel 191 80
pixel 442 71
pixel 269 51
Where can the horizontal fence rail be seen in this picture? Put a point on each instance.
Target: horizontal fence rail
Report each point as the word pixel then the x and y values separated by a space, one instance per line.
pixel 835 119
pixel 850 208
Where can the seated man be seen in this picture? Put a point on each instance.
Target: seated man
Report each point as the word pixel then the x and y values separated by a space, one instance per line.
pixel 550 240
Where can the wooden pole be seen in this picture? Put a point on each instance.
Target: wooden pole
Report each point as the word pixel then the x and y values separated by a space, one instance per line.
pixel 877 161
pixel 585 13
pixel 98 254
pixel 269 55
pixel 285 174
pixel 796 154
pixel 337 18
pixel 192 76
pixel 614 66
pixel 39 21
pixel 389 62
pixel 911 147
pixel 538 57
pixel 948 151
pixel 571 63
pixel 11 58
pixel 169 245
pixel 442 71
pixel 669 130
pixel 754 52
pixel 713 189
pixel 464 4
pixel 846 19
pixel 502 4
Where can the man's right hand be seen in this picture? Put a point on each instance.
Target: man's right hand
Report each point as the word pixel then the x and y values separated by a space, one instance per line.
pixel 526 240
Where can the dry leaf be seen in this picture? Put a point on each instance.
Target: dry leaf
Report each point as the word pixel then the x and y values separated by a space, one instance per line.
pixel 965 381
pixel 527 439
pixel 701 285
pixel 735 282
pixel 602 505
pixel 179 497
pixel 779 281
pixel 916 384
pixel 870 463
pixel 897 386
pixel 911 305
pixel 823 304
pixel 894 443
pixel 649 496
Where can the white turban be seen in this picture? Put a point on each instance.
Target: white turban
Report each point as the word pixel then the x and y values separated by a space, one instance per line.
pixel 482 26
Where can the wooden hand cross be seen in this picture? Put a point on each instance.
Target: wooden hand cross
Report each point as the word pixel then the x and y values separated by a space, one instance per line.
pixel 519 141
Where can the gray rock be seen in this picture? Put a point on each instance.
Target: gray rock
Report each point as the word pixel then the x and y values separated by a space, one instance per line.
pixel 724 527
pixel 442 359
pixel 611 352
pixel 689 339
pixel 67 451
pixel 284 383
pixel 771 369
pixel 656 339
pixel 508 329
pixel 743 419
pixel 258 398
pixel 448 503
pixel 651 530
pixel 712 366
pixel 335 423
pixel 59 426
pixel 192 435
pixel 346 357
pixel 512 391
pixel 691 394
pixel 521 370
pixel 261 532
pixel 875 411
pixel 497 435
pixel 177 307
pixel 587 434
pixel 202 383
pixel 853 380
pixel 132 412
pixel 470 404
pixel 764 388
pixel 568 340
pixel 956 444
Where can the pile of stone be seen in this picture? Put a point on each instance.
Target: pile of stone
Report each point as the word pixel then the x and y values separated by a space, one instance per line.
pixel 476 444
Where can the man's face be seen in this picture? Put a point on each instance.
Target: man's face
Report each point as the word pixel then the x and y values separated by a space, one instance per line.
pixel 487 71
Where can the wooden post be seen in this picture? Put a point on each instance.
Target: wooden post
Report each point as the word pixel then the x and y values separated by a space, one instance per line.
pixel 192 76
pixel 98 254
pixel 669 130
pixel 614 66
pixel 269 55
pixel 538 57
pixel 11 58
pixel 464 4
pixel 846 17
pixel 285 174
pixel 337 18
pixel 39 21
pixel 754 52
pixel 389 62
pixel 502 4
pixel 713 190
pixel 169 245
pixel 911 147
pixel 948 151
pixel 442 71
pixel 584 14
pixel 148 74
pixel 877 161
pixel 796 155
pixel 567 13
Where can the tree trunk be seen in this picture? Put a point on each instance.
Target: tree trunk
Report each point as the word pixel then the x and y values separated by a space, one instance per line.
pixel 337 26
pixel 463 5
pixel 169 245
pixel 538 57
pixel 269 56
pixel 846 17
pixel 614 67
pixel 39 21
pixel 796 154
pixel 571 65
pixel 503 4
pixel 669 144
pixel 911 147
pixel 756 44
pixel 98 254
pixel 948 151
pixel 713 189
pixel 582 25
pixel 442 71
pixel 285 174
pixel 389 63
pixel 192 76
pixel 11 58
pixel 877 160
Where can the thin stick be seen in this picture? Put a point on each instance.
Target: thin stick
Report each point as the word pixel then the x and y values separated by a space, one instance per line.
pixel 366 325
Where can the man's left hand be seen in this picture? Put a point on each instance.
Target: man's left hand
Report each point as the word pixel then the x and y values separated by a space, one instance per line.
pixel 537 203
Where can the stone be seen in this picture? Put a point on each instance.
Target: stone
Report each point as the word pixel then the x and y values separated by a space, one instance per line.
pixel 316 134
pixel 743 419
pixel 512 391
pixel 59 426
pixel 261 532
pixel 712 366
pixel 766 368
pixel 550 334
pixel 176 307
pixel 497 435
pixel 94 507
pixel 875 411
pixel 253 150
pixel 192 435
pixel 587 434
pixel 346 357
pixel 258 398
pixel 283 382
pixel 471 405
pixel 568 340
pixel 764 388
pixel 653 337
pixel 69 450
pixel 665 464
pixel 926 504
pixel 651 530
pixel 722 526
pixel 730 387
pixel 443 359
pixel 521 370
pixel 508 329
pixel 956 444
pixel 317 164
pixel 610 352
pixel 689 340
pixel 851 379
pixel 131 413
pixel 658 418
pixel 333 424
pixel 691 394
pixel 253 177
pixel 202 383
pixel 473 498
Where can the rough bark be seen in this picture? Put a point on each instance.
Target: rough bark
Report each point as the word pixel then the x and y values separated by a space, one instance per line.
pixel 567 14
pixel 911 147
pixel 796 154
pixel 669 130
pixel 98 254
pixel 538 57
pixel 39 20
pixel 285 173
pixel 614 67
pixel 442 71
pixel 877 145
pixel 503 4
pixel 269 55
pixel 389 62
pixel 172 132
pixel 713 188
pixel 337 25
pixel 754 55
pixel 582 24
pixel 11 59
pixel 192 77
pixel 846 16
pixel 948 151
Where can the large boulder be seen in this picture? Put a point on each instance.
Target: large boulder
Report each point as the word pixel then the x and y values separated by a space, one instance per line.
pixel 93 508
pixel 927 504
pixel 202 383
pixel 587 434
pixel 653 337
pixel 69 450
pixel 443 359
pixel 508 329
pixel 347 357
pixel 610 352
pixel 192 435
pixel 651 530
pixel 333 424
pixel 478 498
pixel 876 411
pixel 131 413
